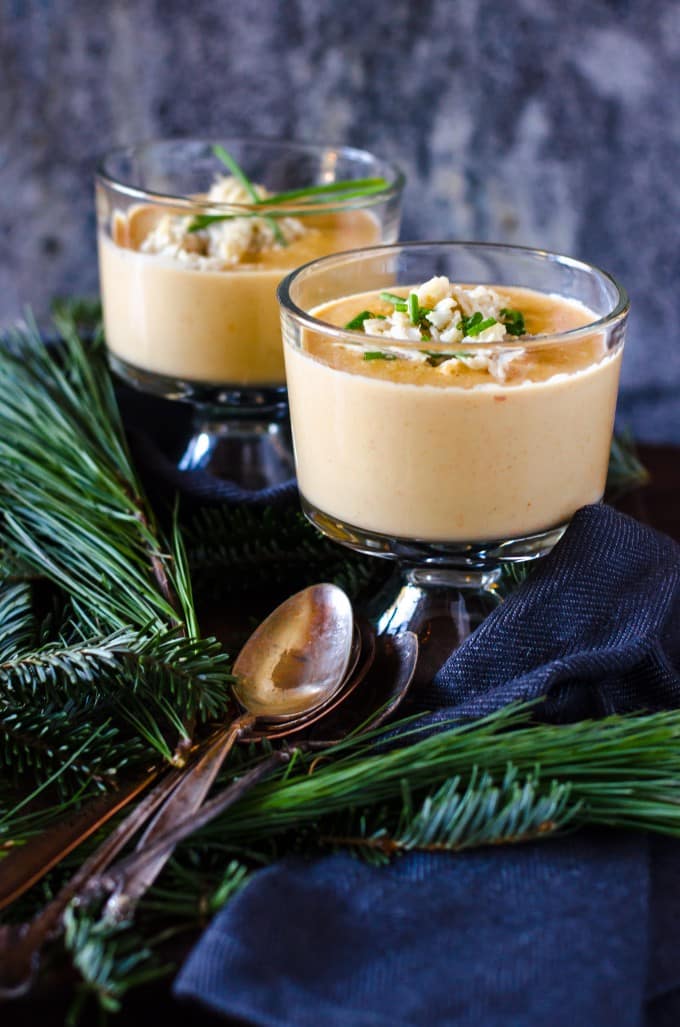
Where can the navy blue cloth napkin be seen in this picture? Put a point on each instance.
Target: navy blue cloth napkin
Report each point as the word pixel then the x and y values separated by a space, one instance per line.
pixel 579 930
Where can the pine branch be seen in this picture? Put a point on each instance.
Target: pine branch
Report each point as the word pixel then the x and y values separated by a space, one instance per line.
pixel 623 771
pixel 73 508
pixel 147 682
pixel 626 471
pixel 192 674
pixel 243 548
pixel 39 743
pixel 74 512
pixel 110 961
pixel 457 817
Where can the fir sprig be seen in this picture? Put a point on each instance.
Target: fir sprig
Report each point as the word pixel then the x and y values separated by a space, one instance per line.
pixel 109 960
pixel 74 513
pixel 72 506
pixel 457 817
pixel 40 743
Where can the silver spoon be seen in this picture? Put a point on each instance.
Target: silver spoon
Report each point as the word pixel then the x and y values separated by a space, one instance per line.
pixel 287 673
pixel 388 673
pixel 297 659
pixel 24 867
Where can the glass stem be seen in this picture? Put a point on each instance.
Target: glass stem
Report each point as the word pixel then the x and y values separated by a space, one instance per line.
pixel 442 605
pixel 252 451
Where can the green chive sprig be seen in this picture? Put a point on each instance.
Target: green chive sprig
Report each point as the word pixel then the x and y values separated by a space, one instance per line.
pixel 241 177
pixel 312 195
pixel 357 323
pixel 513 321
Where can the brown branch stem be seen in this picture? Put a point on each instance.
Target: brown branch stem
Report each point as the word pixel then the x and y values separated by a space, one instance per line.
pixel 392 846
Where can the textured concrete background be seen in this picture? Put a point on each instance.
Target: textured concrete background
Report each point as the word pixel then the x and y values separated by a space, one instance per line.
pixel 540 122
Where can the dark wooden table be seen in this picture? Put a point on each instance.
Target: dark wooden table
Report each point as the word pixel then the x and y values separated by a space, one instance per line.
pixel 657 504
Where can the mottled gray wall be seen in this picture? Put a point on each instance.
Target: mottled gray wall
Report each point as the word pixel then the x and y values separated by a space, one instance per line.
pixel 547 122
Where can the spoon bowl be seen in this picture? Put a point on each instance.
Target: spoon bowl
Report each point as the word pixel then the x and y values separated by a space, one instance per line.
pixel 360 664
pixel 298 657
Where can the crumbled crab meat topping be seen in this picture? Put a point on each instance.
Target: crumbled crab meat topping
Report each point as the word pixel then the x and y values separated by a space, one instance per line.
pixel 222 243
pixel 444 314
pixel 497 364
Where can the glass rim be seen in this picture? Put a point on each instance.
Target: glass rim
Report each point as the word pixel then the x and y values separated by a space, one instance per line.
pixel 361 340
pixel 183 201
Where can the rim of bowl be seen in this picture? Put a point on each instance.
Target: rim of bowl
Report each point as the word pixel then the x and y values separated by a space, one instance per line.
pixel 393 188
pixel 355 337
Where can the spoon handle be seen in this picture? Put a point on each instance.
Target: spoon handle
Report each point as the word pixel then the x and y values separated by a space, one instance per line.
pixel 26 864
pixel 20 944
pixel 134 865
pixel 184 800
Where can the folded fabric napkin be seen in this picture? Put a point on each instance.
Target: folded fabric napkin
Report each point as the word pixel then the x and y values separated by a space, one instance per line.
pixel 579 930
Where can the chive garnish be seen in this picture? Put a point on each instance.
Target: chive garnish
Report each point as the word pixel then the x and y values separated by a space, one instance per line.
pixel 413 307
pixel 391 297
pixel 378 355
pixel 237 171
pixel 240 176
pixel 318 193
pixel 513 321
pixel 314 194
pixel 357 322
pixel 476 323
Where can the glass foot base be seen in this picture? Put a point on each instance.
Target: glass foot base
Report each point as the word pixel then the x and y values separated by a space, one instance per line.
pixel 473 555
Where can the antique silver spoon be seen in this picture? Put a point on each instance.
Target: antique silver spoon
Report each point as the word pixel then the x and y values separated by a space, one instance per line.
pixel 305 649
pixel 287 675
pixel 385 675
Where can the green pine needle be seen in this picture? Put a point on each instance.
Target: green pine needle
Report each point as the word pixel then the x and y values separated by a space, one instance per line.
pixel 626 471
pixel 73 508
pixel 457 816
pixel 109 960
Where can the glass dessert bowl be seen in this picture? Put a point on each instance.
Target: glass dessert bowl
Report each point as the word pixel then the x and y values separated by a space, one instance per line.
pixel 193 238
pixel 452 406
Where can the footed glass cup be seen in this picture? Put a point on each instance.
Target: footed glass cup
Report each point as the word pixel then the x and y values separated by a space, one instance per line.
pixel 189 316
pixel 451 467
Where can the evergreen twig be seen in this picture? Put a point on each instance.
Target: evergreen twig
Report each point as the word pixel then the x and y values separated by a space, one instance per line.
pixel 457 817
pixel 626 471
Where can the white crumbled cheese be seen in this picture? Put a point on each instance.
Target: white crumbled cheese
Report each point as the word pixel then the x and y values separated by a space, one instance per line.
pixel 442 313
pixel 494 333
pixel 479 298
pixel 223 243
pixel 500 363
pixel 497 364
pixel 434 291
pixel 448 306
